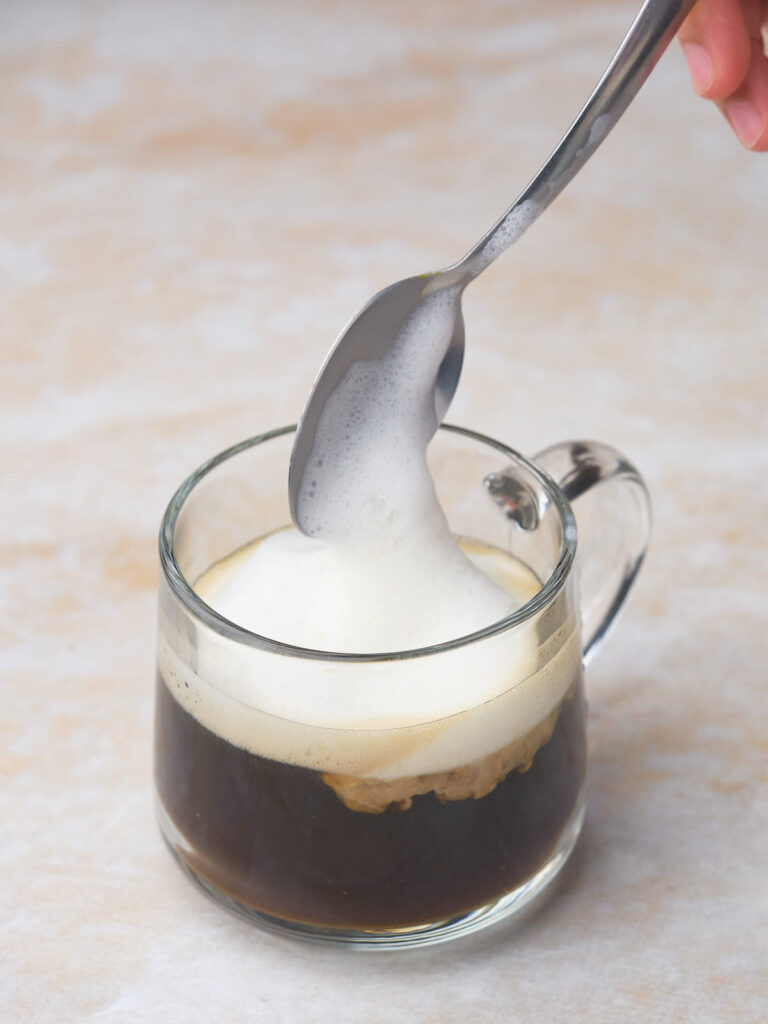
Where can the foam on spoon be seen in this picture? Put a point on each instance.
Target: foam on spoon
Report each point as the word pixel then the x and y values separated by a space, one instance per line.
pixel 367 480
pixel 381 570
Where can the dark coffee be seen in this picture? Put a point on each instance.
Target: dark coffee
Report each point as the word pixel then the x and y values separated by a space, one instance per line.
pixel 276 838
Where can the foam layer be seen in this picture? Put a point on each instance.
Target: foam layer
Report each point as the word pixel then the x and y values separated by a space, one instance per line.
pixel 381 719
pixel 415 592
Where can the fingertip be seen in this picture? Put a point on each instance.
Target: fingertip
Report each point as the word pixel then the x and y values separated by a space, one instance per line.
pixel 747 122
pixel 717 47
pixel 700 67
pixel 715 76
pixel 747 109
pixel 728 73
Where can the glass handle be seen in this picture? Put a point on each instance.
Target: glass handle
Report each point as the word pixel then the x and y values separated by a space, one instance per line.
pixel 613 517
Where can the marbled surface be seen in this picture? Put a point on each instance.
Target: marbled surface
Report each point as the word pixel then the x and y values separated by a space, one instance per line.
pixel 194 198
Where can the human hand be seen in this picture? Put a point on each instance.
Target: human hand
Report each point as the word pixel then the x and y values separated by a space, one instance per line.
pixel 723 45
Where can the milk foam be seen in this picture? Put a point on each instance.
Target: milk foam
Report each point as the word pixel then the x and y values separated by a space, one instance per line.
pixel 310 593
pixel 366 481
pixel 379 719
pixel 512 226
pixel 380 572
pixel 387 575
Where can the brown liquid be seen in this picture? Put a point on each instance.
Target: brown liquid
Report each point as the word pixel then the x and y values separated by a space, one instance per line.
pixel 274 837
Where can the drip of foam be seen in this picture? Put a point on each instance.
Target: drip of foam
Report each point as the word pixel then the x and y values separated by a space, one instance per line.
pixel 512 226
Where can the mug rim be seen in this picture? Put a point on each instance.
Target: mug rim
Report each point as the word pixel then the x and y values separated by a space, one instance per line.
pixel 182 589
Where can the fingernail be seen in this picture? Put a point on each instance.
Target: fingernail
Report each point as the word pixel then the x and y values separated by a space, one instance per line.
pixel 746 121
pixel 700 66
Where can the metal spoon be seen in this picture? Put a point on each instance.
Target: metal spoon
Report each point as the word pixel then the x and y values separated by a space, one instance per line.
pixel 373 332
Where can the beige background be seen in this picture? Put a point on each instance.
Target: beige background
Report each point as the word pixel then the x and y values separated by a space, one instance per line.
pixel 194 197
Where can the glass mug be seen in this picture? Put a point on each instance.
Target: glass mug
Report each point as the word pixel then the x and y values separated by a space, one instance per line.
pixel 401 824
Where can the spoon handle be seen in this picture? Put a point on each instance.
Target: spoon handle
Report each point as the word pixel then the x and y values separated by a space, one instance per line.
pixel 648 37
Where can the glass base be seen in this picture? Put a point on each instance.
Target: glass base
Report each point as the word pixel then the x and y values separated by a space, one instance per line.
pixel 507 907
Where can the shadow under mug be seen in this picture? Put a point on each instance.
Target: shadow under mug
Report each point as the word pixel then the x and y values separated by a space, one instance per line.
pixel 401 825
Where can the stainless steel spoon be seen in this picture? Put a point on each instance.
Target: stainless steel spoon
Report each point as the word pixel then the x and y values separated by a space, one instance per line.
pixel 373 332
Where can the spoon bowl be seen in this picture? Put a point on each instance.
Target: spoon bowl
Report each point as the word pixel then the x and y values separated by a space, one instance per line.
pixel 370 335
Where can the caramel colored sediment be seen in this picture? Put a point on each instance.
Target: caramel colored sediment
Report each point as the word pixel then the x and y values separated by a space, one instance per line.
pixel 476 780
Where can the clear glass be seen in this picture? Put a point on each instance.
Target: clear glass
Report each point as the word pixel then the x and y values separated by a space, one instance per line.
pixel 375 834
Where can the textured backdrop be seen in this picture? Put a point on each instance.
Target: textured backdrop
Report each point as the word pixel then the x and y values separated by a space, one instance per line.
pixel 194 197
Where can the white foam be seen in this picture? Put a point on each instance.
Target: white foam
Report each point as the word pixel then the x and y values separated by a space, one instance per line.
pixel 416 592
pixel 389 575
pixel 366 480
pixel 506 232
pixel 380 573
pixel 380 719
